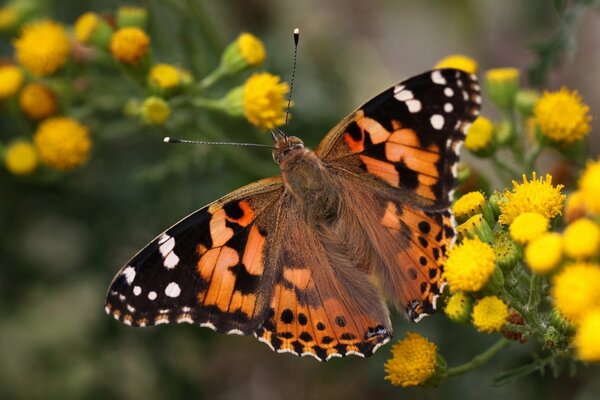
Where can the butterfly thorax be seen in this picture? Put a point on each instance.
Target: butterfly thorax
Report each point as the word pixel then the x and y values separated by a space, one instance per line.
pixel 309 182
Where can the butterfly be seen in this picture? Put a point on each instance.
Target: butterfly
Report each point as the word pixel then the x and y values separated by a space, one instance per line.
pixel 305 261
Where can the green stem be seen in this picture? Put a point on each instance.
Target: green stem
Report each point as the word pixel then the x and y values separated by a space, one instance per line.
pixel 210 79
pixel 211 104
pixel 504 168
pixel 479 359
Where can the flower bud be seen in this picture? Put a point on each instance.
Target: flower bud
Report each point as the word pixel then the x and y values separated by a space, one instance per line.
pixel 502 85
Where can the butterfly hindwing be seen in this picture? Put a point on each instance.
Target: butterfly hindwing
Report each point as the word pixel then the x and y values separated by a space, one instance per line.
pixel 208 269
pixel 409 135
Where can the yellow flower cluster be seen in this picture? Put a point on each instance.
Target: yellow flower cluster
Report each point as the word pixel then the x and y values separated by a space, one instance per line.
pixel 489 314
pixel 264 100
pixel 38 101
pixel 480 134
pixel 589 185
pixel 11 79
pixel 62 143
pixel 129 45
pixel 468 205
pixel 413 361
pixel 528 226
pixel 43 47
pixel 469 265
pixel 562 116
pixel 21 158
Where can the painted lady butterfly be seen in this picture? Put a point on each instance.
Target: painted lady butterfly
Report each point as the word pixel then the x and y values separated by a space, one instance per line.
pixel 303 261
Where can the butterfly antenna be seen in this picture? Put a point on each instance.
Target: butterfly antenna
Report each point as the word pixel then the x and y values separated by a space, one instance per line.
pixel 174 140
pixel 289 103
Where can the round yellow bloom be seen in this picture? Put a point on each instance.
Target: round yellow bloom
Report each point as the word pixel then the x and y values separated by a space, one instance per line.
pixel 480 134
pixel 537 195
pixel 20 158
pixel 470 225
pixel 489 314
pixel 544 253
pixel 589 184
pixel 562 116
pixel 264 100
pixel 527 227
pixel 37 101
pixel 252 49
pixel 62 143
pixel 43 47
pixel 413 361
pixel 11 78
pixel 458 61
pixel 8 17
pixel 587 340
pixel 85 25
pixel 129 45
pixel 164 76
pixel 575 206
pixel 468 205
pixel 155 110
pixel 458 307
pixel 581 239
pixel 469 265
pixel 502 75
pixel 575 290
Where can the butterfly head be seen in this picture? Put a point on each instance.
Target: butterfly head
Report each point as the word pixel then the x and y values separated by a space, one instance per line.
pixel 285 145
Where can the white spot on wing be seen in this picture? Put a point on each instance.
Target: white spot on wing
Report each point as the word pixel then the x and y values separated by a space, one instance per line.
pixel 167 246
pixel 420 317
pixel 235 332
pixel 414 106
pixel 356 353
pixel 449 92
pixel 437 121
pixel 436 77
pixel 333 355
pixel 130 308
pixel 311 354
pixel 137 290
pixel 185 318
pixel 173 290
pixel 208 325
pixel 163 238
pixel 129 273
pixel 152 295
pixel 265 341
pixel 398 88
pixel 107 309
pixel 171 261
pixel 404 95
pixel 448 107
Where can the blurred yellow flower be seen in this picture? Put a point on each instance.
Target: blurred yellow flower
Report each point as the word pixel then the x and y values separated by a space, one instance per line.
pixel 537 195
pixel 502 75
pixel 587 338
pixel 544 253
pixel 562 116
pixel 469 265
pixel 155 110
pixel 581 239
pixel 62 143
pixel 468 205
pixel 128 16
pixel 480 134
pixel 575 206
pixel 458 307
pixel 458 61
pixel 37 101
pixel 129 45
pixel 20 158
pixel 164 76
pixel 589 184
pixel 251 49
pixel 413 361
pixel 8 17
pixel 489 314
pixel 43 47
pixel 11 79
pixel 264 100
pixel 502 85
pixel 527 227
pixel 575 290
pixel 85 25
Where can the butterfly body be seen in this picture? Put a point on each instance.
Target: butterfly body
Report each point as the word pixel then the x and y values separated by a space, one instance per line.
pixel 306 261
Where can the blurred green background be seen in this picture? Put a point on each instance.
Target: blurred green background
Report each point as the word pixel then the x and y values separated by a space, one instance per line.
pixel 65 236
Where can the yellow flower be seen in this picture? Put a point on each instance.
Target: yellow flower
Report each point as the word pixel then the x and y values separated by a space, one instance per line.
pixel 562 116
pixel 11 78
pixel 264 100
pixel 575 206
pixel 480 134
pixel 458 61
pixel 469 265
pixel 62 143
pixel 537 195
pixel 155 111
pixel 581 239
pixel 85 25
pixel 43 47
pixel 544 253
pixel 129 45
pixel 164 76
pixel 502 85
pixel 8 17
pixel 587 340
pixel 489 314
pixel 20 158
pixel 527 227
pixel 413 361
pixel 505 249
pixel 37 101
pixel 589 184
pixel 468 205
pixel 131 16
pixel 575 290
pixel 458 307
pixel 252 49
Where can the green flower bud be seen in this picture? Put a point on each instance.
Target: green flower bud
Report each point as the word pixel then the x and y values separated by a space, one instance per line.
pixel 502 85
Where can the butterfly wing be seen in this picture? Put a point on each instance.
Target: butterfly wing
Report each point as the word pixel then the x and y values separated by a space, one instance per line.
pixel 208 269
pixel 323 305
pixel 399 152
